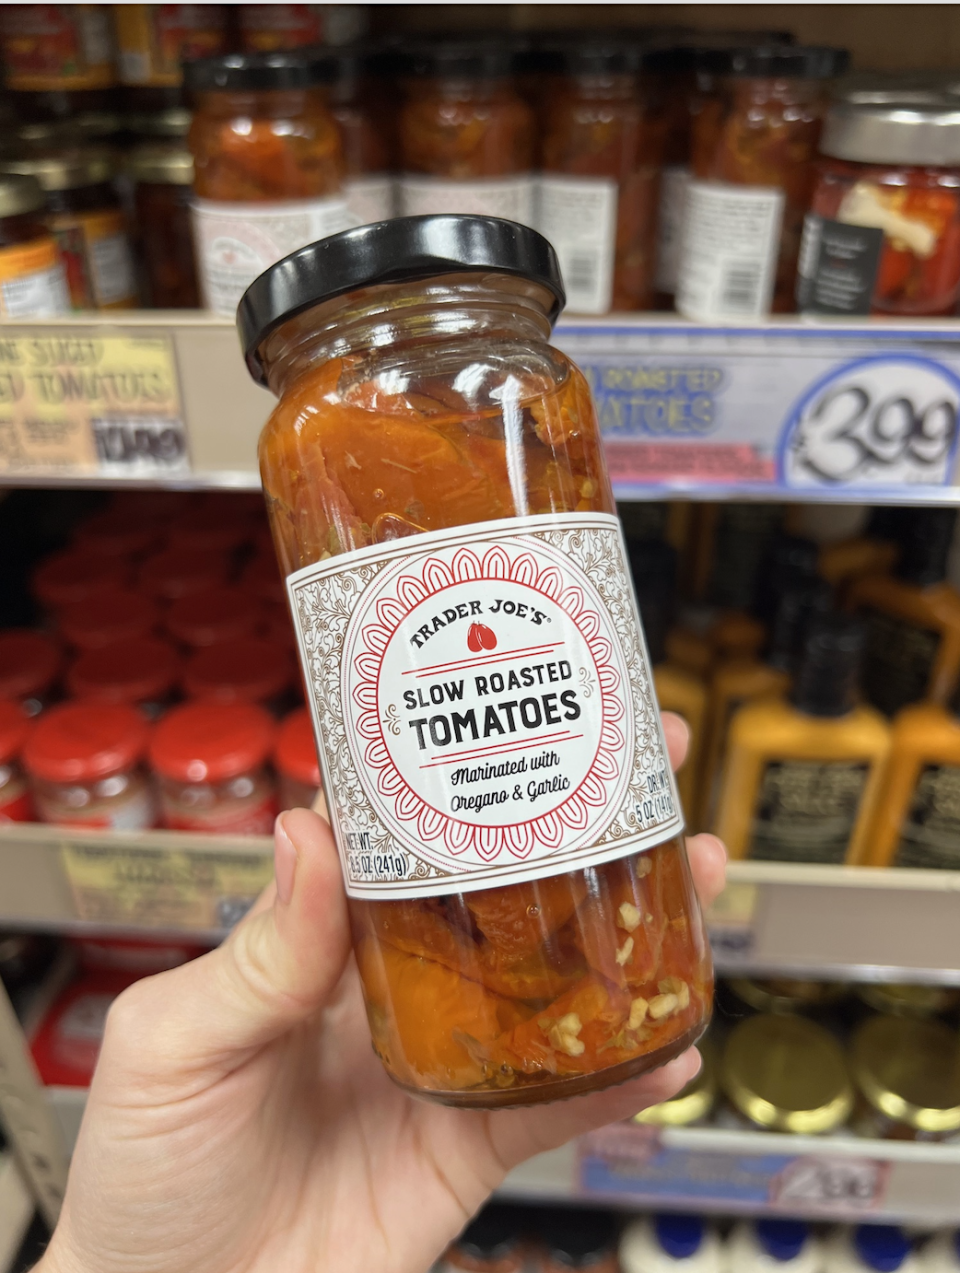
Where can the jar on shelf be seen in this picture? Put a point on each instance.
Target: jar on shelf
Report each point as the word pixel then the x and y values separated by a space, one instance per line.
pixel 142 671
pixel 602 150
pixel 245 670
pixel 212 528
pixel 439 503
pixel 491 1243
pixel 56 47
pixel 180 572
pixel 787 994
pixel 296 763
pixel 77 574
pixel 16 803
pixel 32 279
pixel 116 533
pixel 904 1000
pixel 211 761
pixel 162 176
pixel 366 119
pixel 268 166
pixel 214 615
pixel 85 765
pixel 266 28
pixel 153 40
pixel 907 1074
pixel 86 219
pixel 579 1241
pixel 467 138
pixel 168 122
pixel 30 665
pixel 692 1105
pixel 754 145
pixel 118 615
pixel 883 232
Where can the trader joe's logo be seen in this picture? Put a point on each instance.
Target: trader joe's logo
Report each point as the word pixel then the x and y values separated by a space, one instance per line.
pixel 484 689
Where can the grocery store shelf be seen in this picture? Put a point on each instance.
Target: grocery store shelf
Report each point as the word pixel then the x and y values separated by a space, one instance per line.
pixel 749 1172
pixel 787 408
pixel 774 918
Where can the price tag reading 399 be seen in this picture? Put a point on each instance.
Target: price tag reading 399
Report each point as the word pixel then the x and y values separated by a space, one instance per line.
pixel 884 421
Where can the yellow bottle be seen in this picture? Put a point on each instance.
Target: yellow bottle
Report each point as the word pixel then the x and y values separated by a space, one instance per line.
pixel 803 775
pixel 913 619
pixel 917 822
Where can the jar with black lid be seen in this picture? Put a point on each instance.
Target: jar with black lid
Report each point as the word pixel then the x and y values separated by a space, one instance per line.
pixel 32 279
pixel 162 177
pixel 754 144
pixel 366 118
pixel 86 218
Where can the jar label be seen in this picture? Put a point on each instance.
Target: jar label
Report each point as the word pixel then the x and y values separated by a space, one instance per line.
pixel 229 818
pixel 807 810
pixel 930 836
pixel 97 258
pixel 509 197
pixel 32 281
pixel 898 661
pixel 371 198
pixel 729 250
pixel 236 242
pixel 579 217
pixel 838 266
pixel 484 706
pixel 56 46
pixel 673 198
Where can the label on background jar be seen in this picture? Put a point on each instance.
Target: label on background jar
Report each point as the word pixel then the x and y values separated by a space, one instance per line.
pixel 56 46
pixel 371 198
pixel 579 217
pixel 236 242
pixel 231 817
pixel 673 194
pixel 898 661
pixel 154 40
pixel 806 810
pixel 838 266
pixel 96 255
pixel 509 197
pixel 134 810
pixel 484 705
pixel 32 281
pixel 728 257
pixel 930 835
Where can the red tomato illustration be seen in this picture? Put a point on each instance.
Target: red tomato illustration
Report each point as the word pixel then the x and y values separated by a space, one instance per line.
pixel 480 637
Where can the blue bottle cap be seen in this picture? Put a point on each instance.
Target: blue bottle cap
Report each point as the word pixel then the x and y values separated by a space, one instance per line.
pixel 881 1246
pixel 679 1235
pixel 782 1239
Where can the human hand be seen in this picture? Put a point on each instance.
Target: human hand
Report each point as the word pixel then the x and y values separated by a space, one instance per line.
pixel 238 1119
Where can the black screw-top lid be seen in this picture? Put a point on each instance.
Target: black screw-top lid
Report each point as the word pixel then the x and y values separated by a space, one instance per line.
pixel 654 567
pixel 253 72
pixel 480 57
pixel 492 1235
pixel 398 251
pixel 887 521
pixel 925 542
pixel 829 669
pixel 613 52
pixel 577 1238
pixel 788 561
pixel 798 606
pixel 776 61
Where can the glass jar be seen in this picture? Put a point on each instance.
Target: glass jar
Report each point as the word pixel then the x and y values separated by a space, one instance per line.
pixel 786 1074
pixel 296 763
pixel 753 150
pixel 16 804
pixel 883 232
pixel 120 615
pixel 214 615
pixel 364 115
pixel 180 572
pixel 141 671
pixel 29 667
pixel 211 760
pixel 601 155
pixel 32 280
pixel 268 166
pixel 212 528
pixel 116 532
pixel 162 176
pixel 786 994
pixel 907 1074
pixel 153 40
pixel 77 574
pixel 525 923
pixel 467 138
pixel 579 1242
pixel 84 762
pixel 489 1244
pixel 56 47
pixel 247 670
pixel 85 216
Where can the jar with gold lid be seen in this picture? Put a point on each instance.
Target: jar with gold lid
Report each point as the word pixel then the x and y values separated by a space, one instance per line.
pixel 786 994
pixel 910 1001
pixel 907 1074
pixel 693 1103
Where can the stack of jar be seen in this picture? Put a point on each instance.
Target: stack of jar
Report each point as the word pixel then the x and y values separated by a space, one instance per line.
pixel 141 613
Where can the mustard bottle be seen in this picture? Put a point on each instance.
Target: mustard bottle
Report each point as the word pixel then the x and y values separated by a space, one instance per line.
pixel 803 774
pixel 913 618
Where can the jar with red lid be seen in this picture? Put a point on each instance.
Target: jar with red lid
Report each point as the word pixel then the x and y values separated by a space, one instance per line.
pixel 85 765
pixel 116 533
pixel 16 803
pixel 141 671
pixel 296 763
pixel 883 232
pixel 248 670
pixel 753 151
pixel 365 117
pixel 29 667
pixel 215 615
pixel 181 572
pixel 467 137
pixel 77 574
pixel 121 615
pixel 212 763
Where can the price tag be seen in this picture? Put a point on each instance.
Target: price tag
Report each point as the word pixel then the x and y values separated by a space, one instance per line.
pixel 79 402
pixel 730 922
pixel 163 888
pixel 841 1184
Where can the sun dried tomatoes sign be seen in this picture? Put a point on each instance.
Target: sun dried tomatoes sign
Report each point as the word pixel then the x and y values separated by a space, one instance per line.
pixel 483 705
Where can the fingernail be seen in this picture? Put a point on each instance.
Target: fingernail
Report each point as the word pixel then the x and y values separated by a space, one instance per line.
pixel 284 862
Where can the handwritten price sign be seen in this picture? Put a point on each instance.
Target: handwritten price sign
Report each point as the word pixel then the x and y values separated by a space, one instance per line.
pixel 832 1184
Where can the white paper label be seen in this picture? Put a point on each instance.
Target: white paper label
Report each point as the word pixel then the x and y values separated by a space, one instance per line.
pixel 42 294
pixel 111 265
pixel 673 195
pixel 728 257
pixel 483 705
pixel 509 197
pixel 371 198
pixel 579 217
pixel 237 241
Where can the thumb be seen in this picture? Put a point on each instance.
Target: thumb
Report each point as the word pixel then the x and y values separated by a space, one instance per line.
pixel 277 968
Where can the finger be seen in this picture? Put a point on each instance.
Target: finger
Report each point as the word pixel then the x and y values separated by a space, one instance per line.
pixel 277 967
pixel 708 865
pixel 677 733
